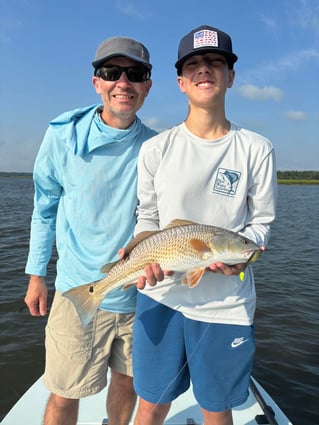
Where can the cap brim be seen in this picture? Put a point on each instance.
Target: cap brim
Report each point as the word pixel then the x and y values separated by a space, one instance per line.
pixel 98 63
pixel 231 57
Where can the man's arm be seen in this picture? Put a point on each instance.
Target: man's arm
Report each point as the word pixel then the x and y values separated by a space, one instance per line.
pixel 46 199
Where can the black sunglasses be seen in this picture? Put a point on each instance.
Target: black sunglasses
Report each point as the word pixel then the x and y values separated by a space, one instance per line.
pixel 135 74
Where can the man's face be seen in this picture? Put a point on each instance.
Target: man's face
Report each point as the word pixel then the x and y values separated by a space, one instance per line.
pixel 121 98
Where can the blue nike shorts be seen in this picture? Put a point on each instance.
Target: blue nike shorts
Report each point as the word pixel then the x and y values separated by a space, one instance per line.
pixel 169 350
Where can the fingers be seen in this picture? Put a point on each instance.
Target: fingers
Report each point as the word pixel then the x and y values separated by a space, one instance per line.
pixel 153 274
pixel 227 270
pixel 33 308
pixel 121 253
pixel 43 307
pixel 141 282
pixel 38 306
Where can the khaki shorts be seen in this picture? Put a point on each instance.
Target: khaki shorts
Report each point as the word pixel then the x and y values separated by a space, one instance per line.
pixel 77 358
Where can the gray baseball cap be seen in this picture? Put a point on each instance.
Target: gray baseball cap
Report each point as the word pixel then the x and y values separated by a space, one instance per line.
pixel 121 46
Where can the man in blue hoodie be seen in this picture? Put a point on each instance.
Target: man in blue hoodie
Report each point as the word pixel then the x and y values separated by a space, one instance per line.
pixel 85 200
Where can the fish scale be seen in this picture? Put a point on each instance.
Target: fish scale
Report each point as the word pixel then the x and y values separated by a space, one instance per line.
pixel 155 248
pixel 183 247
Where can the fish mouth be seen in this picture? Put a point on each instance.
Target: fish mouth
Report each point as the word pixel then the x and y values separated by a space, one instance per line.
pixel 254 256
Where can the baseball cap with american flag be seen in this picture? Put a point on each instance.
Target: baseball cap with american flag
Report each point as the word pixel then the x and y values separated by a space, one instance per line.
pixel 205 39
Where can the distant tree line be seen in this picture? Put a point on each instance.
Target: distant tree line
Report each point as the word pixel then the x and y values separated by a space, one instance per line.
pixel 298 175
pixel 281 175
pixel 14 174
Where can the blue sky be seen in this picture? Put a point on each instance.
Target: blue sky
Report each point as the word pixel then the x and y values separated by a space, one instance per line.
pixel 46 49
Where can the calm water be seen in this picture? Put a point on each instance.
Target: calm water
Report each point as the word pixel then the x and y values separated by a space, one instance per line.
pixel 287 318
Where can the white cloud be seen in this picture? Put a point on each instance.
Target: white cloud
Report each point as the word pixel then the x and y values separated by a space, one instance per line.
pixel 155 124
pixel 296 115
pixel 130 9
pixel 8 27
pixel 292 62
pixel 307 15
pixel 269 23
pixel 303 14
pixel 260 93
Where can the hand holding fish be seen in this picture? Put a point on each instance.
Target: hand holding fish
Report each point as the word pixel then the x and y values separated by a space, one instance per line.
pixel 153 272
pixel 226 269
pixel 235 269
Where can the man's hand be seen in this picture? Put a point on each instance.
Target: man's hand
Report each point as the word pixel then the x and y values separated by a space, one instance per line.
pixel 227 270
pixel 37 296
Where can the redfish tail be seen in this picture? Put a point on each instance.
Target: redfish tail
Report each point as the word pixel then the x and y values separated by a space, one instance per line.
pixel 85 300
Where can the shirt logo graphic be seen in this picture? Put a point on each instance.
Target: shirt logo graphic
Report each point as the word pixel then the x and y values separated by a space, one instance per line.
pixel 205 38
pixel 238 341
pixel 227 181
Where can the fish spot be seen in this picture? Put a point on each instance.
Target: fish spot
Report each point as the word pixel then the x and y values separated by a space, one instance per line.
pixel 91 289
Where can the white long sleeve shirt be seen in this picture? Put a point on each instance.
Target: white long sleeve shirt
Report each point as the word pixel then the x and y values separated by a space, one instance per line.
pixel 230 183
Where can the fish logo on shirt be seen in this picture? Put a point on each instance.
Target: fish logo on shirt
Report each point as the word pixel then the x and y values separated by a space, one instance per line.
pixel 227 181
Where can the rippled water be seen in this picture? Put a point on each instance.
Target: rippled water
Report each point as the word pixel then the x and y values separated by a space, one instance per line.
pixel 287 318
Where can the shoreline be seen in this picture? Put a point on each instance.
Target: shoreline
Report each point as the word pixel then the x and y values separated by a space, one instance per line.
pixel 279 181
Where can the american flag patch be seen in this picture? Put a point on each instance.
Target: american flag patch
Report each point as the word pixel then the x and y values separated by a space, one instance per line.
pixel 205 38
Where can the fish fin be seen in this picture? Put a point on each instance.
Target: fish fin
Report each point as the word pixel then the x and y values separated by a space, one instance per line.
pixel 85 300
pixel 144 235
pixel 139 238
pixel 201 247
pixel 179 222
pixel 128 285
pixel 184 280
pixel 192 277
pixel 107 267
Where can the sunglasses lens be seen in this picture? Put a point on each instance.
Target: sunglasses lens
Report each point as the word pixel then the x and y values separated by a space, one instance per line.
pixel 113 73
pixel 136 75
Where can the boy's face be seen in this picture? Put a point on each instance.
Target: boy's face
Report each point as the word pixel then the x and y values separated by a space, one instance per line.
pixel 205 77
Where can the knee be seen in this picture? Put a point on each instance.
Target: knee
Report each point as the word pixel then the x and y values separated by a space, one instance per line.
pixel 149 413
pixel 62 402
pixel 122 381
pixel 218 418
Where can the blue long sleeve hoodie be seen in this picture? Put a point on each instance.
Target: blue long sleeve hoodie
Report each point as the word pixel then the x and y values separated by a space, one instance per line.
pixel 85 198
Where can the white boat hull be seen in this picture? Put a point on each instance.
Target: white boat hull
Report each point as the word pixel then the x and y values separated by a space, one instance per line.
pixel 30 408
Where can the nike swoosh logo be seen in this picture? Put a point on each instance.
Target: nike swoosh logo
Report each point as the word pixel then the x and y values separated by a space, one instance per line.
pixel 237 343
